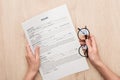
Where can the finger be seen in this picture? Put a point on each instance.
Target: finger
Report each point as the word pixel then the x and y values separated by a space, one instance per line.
pixel 37 52
pixel 82 42
pixel 88 43
pixel 28 60
pixel 93 42
pixel 29 52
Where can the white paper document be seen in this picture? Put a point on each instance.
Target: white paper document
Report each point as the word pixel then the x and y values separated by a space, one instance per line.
pixel 54 32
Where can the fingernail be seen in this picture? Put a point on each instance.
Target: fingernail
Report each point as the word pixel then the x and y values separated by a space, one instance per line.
pixel 86 39
pixel 38 47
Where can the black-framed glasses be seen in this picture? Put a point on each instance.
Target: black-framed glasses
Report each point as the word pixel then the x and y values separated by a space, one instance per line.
pixel 83 34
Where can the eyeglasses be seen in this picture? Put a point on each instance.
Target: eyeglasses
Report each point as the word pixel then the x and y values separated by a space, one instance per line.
pixel 83 34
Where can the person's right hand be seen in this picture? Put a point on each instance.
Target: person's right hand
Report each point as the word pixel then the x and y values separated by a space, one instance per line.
pixel 93 53
pixel 94 58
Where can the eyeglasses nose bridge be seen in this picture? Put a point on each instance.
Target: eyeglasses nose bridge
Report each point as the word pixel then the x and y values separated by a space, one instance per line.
pixel 86 36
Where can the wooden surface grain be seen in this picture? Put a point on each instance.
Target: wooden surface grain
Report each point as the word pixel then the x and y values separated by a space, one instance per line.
pixel 101 16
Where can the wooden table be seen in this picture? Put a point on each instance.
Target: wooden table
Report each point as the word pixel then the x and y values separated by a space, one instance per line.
pixel 101 16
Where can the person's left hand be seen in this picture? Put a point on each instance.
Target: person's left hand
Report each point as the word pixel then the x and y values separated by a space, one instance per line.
pixel 33 61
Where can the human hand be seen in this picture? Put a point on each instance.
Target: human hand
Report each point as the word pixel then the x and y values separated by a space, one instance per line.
pixel 94 58
pixel 33 61
pixel 93 53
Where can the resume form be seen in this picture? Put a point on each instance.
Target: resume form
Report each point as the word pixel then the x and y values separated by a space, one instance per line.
pixel 54 32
